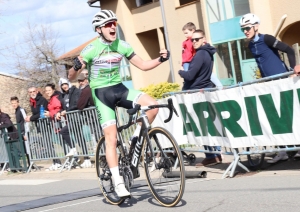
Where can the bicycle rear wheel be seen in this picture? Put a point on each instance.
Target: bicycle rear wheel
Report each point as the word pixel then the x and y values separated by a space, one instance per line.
pixel 104 174
pixel 166 182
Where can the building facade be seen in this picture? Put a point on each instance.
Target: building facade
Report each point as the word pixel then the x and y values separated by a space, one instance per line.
pixel 149 27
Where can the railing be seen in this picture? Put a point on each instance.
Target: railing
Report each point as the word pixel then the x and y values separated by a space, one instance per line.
pixel 3 153
pixel 249 150
pixel 45 141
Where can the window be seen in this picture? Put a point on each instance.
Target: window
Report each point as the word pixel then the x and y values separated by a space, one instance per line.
pixel 246 54
pixel 236 61
pixel 182 2
pixel 149 40
pixel 241 7
pixel 142 2
pixel 223 61
pixel 220 10
pixel 124 66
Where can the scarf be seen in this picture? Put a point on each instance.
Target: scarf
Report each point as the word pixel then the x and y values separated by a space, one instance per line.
pixel 33 102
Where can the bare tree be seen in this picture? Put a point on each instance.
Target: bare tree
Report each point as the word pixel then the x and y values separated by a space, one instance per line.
pixel 35 56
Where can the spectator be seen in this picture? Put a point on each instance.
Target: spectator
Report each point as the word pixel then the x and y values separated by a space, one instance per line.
pixel 70 95
pixel 55 106
pixel 36 101
pixel 197 77
pixel 188 51
pixel 85 72
pixel 200 68
pixel 5 122
pixel 85 101
pixel 20 118
pixel 264 49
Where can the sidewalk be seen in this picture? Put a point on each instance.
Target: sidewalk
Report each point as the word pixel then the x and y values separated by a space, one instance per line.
pixel 289 167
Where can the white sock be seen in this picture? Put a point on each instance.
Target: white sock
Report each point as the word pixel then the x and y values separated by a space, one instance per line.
pixel 116 175
pixel 137 131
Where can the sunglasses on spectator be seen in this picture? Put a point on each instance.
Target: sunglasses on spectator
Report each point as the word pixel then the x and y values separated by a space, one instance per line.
pixel 109 24
pixel 246 28
pixel 80 80
pixel 196 39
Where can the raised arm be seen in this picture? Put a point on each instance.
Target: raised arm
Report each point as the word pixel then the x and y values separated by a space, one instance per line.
pixel 79 65
pixel 150 64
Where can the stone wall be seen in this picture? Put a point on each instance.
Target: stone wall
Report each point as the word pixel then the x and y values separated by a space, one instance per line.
pixel 12 85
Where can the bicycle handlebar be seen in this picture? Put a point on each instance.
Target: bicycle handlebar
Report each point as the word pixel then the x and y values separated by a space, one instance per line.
pixel 138 107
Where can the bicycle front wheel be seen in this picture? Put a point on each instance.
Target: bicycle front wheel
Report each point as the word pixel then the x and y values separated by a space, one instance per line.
pixel 166 182
pixel 104 175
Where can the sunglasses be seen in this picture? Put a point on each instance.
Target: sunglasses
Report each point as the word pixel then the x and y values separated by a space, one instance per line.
pixel 246 28
pixel 109 24
pixel 196 39
pixel 80 80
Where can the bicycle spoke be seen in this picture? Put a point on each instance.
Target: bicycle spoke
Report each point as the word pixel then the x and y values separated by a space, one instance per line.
pixel 104 175
pixel 166 181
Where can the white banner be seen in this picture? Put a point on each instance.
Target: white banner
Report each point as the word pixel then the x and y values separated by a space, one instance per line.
pixel 263 114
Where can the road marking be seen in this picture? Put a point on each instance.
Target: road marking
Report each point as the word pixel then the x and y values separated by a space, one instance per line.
pixel 186 182
pixel 26 182
pixel 135 192
pixel 72 205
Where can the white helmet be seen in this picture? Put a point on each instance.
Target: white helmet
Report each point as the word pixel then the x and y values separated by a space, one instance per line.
pixel 102 17
pixel 249 19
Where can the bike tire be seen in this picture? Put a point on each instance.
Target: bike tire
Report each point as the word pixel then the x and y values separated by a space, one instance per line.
pixel 104 176
pixel 162 178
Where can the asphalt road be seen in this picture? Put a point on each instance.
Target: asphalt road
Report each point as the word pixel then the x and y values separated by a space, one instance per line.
pixel 249 193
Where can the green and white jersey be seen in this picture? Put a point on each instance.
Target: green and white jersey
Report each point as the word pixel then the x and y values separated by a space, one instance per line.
pixel 103 61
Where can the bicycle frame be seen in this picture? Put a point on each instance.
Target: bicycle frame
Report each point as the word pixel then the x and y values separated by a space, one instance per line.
pixel 137 153
pixel 145 127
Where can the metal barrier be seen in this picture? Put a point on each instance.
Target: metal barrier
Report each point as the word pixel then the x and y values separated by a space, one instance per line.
pixel 241 151
pixel 46 143
pixel 85 131
pixel 15 149
pixel 3 153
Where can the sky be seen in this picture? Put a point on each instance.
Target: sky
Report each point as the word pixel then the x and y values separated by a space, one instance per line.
pixel 70 18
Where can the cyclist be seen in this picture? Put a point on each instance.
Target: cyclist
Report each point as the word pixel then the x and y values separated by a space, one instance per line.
pixel 265 48
pixel 102 58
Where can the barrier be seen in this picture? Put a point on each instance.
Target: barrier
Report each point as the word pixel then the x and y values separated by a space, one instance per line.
pixel 45 142
pixel 208 122
pixel 3 153
pixel 15 149
pixel 85 131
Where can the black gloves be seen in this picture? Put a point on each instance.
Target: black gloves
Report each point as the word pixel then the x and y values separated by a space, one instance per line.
pixel 162 59
pixel 77 64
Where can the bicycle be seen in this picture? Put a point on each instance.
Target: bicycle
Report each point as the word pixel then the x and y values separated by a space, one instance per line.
pixel 159 149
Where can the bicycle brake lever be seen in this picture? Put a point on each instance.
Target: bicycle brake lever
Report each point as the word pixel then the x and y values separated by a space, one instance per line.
pixel 175 111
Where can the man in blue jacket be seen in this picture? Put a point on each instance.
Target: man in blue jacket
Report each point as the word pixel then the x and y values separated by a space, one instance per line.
pixel 197 77
pixel 200 69
pixel 264 49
